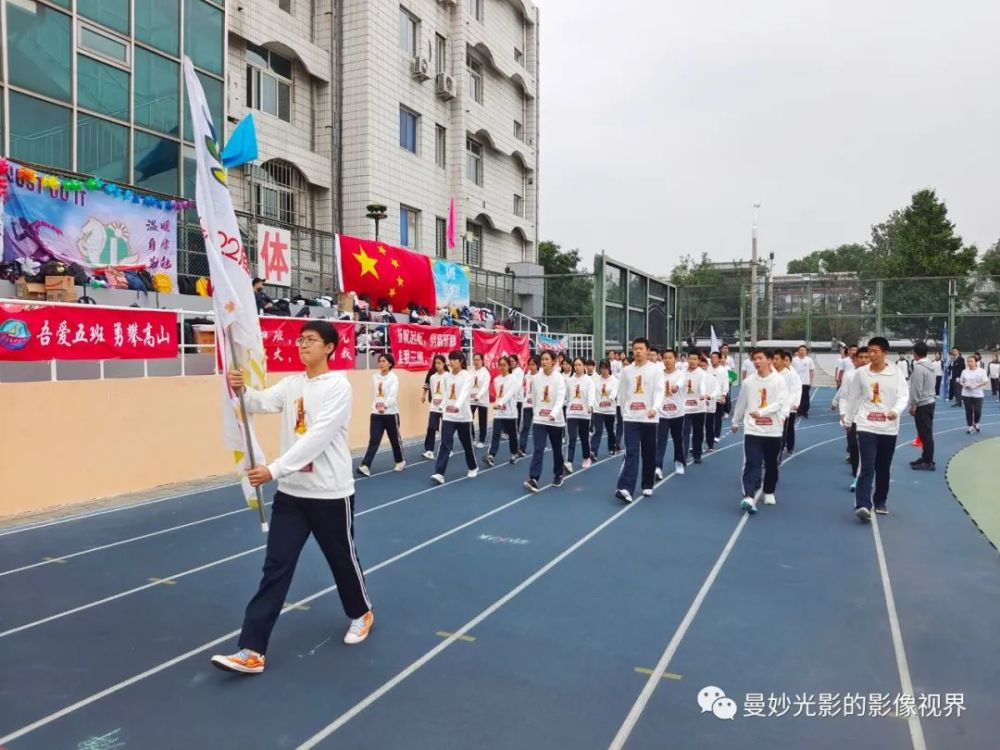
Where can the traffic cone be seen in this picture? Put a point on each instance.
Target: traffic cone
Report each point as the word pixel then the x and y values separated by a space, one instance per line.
pixel 917 442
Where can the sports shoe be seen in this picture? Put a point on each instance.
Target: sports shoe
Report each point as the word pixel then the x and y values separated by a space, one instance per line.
pixel 658 473
pixel 400 466
pixel 624 495
pixel 587 463
pixel 364 471
pixel 918 462
pixel 520 454
pixel 881 510
pixel 513 459
pixel 531 485
pixel 439 478
pixel 749 505
pixel 245 661
pixel 568 466
pixel 854 484
pixel 970 429
pixel 489 461
pixel 924 467
pixel 697 459
pixel 769 499
pixel 679 468
pixel 647 493
pixel 429 455
pixel 863 513
pixel 557 481
pixel 977 428
pixel 480 444
pixel 472 473
pixel 359 629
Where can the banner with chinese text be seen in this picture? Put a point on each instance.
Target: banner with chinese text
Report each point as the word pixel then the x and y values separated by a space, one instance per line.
pixel 274 255
pixel 414 347
pixel 34 333
pixel 283 354
pixel 500 344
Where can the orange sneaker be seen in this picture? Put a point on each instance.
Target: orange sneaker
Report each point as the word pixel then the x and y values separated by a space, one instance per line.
pixel 359 628
pixel 245 661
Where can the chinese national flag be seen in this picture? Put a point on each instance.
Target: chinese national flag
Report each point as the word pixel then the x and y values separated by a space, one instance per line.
pixel 385 272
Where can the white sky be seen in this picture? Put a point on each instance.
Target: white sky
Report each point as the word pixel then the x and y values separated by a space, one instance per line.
pixel 662 122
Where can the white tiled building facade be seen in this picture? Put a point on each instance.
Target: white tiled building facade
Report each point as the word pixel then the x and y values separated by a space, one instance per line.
pixel 438 100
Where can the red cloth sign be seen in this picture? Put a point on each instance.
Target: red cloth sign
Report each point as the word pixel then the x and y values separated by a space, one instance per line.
pixel 283 353
pixel 34 333
pixel 500 344
pixel 414 347
pixel 384 272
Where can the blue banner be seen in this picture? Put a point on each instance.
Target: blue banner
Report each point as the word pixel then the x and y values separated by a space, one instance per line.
pixel 451 283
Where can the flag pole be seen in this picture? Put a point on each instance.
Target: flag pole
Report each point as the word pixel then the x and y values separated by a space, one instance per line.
pixel 249 441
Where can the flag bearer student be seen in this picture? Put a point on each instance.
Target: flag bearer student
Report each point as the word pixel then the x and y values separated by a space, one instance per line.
pixel 605 406
pixel 762 407
pixel 528 410
pixel 695 389
pixel 505 386
pixel 640 393
pixel 480 399
pixel 434 392
pixel 315 494
pixel 877 396
pixel 711 402
pixel 671 425
pixel 783 364
pixel 457 417
pixel 548 394
pixel 579 407
pixel 860 359
pixel 385 415
pixel 719 369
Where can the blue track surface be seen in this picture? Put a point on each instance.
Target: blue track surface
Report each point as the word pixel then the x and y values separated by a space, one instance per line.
pixel 569 600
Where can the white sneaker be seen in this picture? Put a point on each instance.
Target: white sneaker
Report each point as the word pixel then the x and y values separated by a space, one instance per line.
pixel 365 471
pixel 769 499
pixel 472 473
pixel 977 427
pixel 480 445
pixel 970 430
pixel 359 629
pixel 400 466
pixel 429 455
pixel 587 463
pixel 679 468
pixel 659 473
pixel 438 478
pixel 749 505
pixel 624 495
pixel 568 465
pixel 647 493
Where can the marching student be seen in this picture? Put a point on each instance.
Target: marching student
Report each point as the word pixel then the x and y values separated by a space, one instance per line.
pixel 567 373
pixel 591 369
pixel 640 393
pixel 721 372
pixel 955 366
pixel 616 364
pixel 605 405
pixel 730 364
pixel 803 364
pixel 761 409
pixel 580 405
pixel 315 494
pixel 747 369
pixel 505 386
pixel 923 398
pixel 548 394
pixel 860 359
pixel 783 364
pixel 518 373
pixel 993 373
pixel 695 390
pixel 385 415
pixel 973 380
pixel 671 425
pixel 528 411
pixel 712 390
pixel 480 400
pixel 876 398
pixel 457 417
pixel 434 392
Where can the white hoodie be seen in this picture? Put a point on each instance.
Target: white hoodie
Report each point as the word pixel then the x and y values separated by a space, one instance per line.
pixel 640 391
pixel 579 396
pixel 768 398
pixel 506 389
pixel 794 384
pixel 673 400
pixel 480 395
pixel 385 393
pixel 436 392
pixel 549 394
pixel 315 461
pixel 457 390
pixel 606 395
pixel 518 374
pixel 712 390
pixel 695 389
pixel 873 395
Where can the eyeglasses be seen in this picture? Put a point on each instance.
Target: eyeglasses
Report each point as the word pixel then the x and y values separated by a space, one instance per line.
pixel 307 341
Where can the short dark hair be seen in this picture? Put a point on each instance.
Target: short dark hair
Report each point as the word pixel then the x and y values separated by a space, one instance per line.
pixel 715 354
pixel 693 353
pixel 324 328
pixel 590 363
pixel 551 354
pixel 861 350
pixel 670 351
pixel 802 346
pixel 459 355
pixel 388 358
pixel 780 353
pixel 536 359
pixel 256 280
pixel 640 340
pixel 920 349
pixel 769 353
pixel 880 341
pixel 604 365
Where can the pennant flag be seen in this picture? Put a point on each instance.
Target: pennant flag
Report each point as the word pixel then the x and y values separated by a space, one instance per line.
pixel 236 319
pixel 451 223
pixel 384 272
pixel 242 146
pixel 715 342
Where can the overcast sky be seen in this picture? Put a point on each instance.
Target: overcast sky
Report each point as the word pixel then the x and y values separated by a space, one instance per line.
pixel 662 122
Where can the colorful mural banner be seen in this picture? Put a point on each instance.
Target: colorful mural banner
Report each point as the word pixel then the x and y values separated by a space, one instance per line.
pixel 451 284
pixel 552 343
pixel 283 353
pixel 414 347
pixel 88 227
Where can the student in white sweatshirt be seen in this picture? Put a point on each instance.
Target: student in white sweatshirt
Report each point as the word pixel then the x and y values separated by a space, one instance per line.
pixel 671 425
pixel 640 393
pixel 973 380
pixel 385 415
pixel 315 494
pixel 457 417
pixel 505 389
pixel 548 394
pixel 434 393
pixel 695 390
pixel 579 407
pixel 518 372
pixel 712 390
pixel 605 408
pixel 783 364
pixel 761 411
pixel 877 397
pixel 803 364
pixel 859 360
pixel 479 400
pixel 718 368
pixel 528 407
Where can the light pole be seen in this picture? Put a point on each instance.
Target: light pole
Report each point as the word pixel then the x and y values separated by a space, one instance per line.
pixel 753 279
pixel 770 297
pixel 376 212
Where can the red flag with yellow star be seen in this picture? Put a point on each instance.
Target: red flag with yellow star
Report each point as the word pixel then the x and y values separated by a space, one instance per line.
pixel 385 272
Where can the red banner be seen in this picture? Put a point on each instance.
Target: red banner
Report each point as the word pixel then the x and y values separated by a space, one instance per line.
pixel 283 353
pixel 34 333
pixel 384 272
pixel 414 347
pixel 500 344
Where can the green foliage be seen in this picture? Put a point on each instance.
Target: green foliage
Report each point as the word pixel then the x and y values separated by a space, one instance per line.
pixel 707 297
pixel 569 290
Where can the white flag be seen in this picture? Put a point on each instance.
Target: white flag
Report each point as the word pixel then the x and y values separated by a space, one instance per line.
pixel 715 342
pixel 236 320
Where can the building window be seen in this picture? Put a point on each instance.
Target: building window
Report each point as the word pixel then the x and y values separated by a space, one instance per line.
pixel 103 44
pixel 440 237
pixel 473 244
pixel 110 13
pixel 474 161
pixel 440 145
pixel 518 57
pixel 281 195
pixel 409 223
pixel 158 25
pixel 408 29
pixel 518 130
pixel 156 163
pixel 157 92
pixel 203 28
pixel 475 70
pixel 524 107
pixel 269 83
pixel 285 5
pixel 102 88
pixel 102 148
pixel 440 54
pixel 40 132
pixel 475 8
pixel 409 129
pixel 37 33
pixel 518 205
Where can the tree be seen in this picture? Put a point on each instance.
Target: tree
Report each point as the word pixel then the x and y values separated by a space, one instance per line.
pixel 853 258
pixel 569 290
pixel 989 264
pixel 706 297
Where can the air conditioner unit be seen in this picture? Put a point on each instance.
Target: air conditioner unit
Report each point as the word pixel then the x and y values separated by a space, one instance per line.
pixel 420 67
pixel 445 86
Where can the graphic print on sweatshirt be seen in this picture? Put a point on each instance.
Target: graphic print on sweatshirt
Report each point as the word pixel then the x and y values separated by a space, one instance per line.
pixel 300 425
